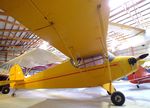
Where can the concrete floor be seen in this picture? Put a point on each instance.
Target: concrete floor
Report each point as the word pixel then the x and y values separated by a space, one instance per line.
pixel 77 98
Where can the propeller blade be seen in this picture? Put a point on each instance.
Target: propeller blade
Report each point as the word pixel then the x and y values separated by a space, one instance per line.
pixel 142 56
pixel 133 60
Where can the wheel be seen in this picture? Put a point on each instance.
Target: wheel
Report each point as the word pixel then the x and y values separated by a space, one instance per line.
pixel 137 86
pixel 5 90
pixel 118 98
pixel 13 94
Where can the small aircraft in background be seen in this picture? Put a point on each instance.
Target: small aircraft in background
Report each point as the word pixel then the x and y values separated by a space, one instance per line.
pixel 78 28
pixel 139 77
pixel 30 62
pixel 4 88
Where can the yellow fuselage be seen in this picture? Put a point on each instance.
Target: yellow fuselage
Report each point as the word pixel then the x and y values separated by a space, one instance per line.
pixel 67 76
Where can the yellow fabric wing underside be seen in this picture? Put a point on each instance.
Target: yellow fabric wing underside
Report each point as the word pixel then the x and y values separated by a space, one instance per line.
pixel 77 28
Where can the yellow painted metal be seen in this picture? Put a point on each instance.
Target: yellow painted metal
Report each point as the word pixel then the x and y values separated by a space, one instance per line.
pixel 72 26
pixel 67 76
pixel 15 74
pixel 141 62
pixel 5 82
pixel 109 87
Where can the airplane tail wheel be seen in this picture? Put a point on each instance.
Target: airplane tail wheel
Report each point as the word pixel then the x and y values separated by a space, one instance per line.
pixel 118 98
pixel 137 86
pixel 5 90
pixel 13 94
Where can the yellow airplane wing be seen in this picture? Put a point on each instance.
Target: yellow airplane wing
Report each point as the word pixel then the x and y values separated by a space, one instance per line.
pixel 76 27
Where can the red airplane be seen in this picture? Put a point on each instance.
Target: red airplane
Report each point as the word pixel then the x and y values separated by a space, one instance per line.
pixel 140 76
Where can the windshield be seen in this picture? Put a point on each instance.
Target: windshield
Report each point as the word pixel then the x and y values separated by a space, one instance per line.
pixel 111 56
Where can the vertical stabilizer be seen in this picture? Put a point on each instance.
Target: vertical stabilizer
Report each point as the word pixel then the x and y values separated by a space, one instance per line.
pixel 138 75
pixel 16 73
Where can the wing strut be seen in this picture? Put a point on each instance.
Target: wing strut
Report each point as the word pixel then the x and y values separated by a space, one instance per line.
pixel 51 24
pixel 105 56
pixel 69 49
pixel 104 49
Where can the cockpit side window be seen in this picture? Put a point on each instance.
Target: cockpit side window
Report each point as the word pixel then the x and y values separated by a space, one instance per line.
pixel 91 61
pixel 94 60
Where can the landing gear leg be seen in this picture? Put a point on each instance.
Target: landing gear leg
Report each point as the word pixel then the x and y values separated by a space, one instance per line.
pixel 118 98
pixel 14 93
pixel 109 88
pixel 137 86
pixel 111 93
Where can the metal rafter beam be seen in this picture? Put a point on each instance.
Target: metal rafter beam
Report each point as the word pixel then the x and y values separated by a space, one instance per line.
pixel 134 23
pixel 121 15
pixel 9 22
pixel 147 14
pixel 14 55
pixel 13 30
pixel 9 33
pixel 18 50
pixel 123 9
pixel 126 26
pixel 131 36
pixel 14 38
pixel 20 47
pixel 13 46
pixel 32 44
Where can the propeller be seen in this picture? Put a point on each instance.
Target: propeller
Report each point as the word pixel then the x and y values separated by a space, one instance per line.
pixel 133 60
pixel 142 56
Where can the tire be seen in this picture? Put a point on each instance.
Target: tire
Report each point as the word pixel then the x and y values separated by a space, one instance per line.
pixel 13 94
pixel 137 86
pixel 5 90
pixel 118 98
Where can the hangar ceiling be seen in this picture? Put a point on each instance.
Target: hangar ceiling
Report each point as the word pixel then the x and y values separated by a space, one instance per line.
pixel 15 39
pixel 128 21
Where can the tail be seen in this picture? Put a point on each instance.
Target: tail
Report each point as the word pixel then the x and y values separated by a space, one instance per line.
pixel 16 73
pixel 137 76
